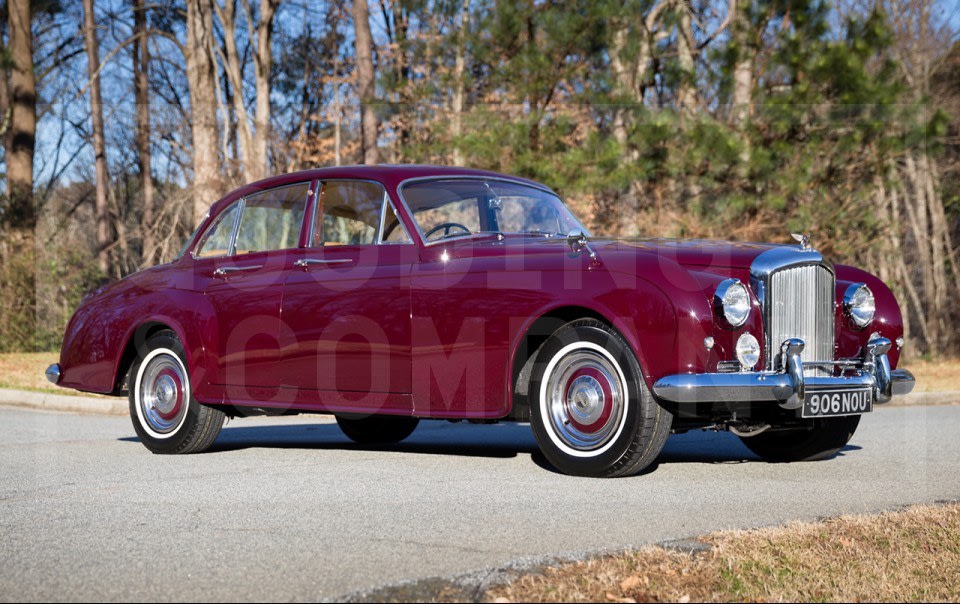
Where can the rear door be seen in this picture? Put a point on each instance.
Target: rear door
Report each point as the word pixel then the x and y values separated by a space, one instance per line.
pixel 244 259
pixel 346 302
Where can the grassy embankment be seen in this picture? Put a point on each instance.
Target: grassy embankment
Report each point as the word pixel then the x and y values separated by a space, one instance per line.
pixel 909 555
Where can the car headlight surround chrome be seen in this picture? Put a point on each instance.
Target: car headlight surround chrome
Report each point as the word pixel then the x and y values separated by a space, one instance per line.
pixel 859 304
pixel 731 302
pixel 748 350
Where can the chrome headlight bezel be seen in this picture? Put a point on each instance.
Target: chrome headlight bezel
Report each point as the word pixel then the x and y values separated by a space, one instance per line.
pixel 859 305
pixel 731 303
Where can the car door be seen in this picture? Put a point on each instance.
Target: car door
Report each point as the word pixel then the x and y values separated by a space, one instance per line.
pixel 243 259
pixel 346 303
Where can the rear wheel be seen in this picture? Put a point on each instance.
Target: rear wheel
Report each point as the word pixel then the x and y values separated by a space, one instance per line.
pixel 821 439
pixel 591 411
pixel 164 413
pixel 377 429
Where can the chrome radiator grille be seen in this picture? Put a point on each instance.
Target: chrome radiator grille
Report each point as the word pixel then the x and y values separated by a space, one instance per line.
pixel 801 300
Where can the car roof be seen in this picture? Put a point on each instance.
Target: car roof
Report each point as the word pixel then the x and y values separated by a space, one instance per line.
pixel 390 175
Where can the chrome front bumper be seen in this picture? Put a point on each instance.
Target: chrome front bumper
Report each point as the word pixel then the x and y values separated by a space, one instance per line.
pixel 788 386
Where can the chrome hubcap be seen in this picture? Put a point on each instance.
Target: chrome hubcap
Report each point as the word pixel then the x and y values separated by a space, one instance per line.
pixel 585 400
pixel 162 394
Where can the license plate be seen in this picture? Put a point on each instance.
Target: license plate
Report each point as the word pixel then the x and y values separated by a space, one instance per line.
pixel 831 403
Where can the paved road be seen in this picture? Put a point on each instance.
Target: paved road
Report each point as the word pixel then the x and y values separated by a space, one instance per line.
pixel 287 509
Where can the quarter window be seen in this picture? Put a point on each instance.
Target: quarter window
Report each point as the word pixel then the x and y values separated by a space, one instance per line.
pixel 216 241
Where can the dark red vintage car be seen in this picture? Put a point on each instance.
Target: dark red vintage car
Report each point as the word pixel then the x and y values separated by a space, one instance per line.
pixel 390 294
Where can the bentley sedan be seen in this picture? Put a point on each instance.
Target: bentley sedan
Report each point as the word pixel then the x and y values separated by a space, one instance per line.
pixel 386 295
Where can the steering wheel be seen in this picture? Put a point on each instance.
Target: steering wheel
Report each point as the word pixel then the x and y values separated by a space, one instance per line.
pixel 446 226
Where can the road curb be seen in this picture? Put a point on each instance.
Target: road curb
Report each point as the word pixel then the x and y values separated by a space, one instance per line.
pixel 120 406
pixel 62 402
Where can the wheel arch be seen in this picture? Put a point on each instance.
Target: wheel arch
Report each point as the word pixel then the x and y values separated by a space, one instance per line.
pixel 135 339
pixel 523 353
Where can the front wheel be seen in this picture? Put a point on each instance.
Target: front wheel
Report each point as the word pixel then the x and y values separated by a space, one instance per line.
pixel 165 415
pixel 592 413
pixel 820 439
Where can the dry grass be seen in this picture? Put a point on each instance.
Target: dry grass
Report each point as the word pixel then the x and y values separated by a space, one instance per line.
pixel 935 376
pixel 910 555
pixel 24 371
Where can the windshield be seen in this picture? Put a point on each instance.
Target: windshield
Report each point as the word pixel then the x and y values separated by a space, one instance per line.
pixel 461 207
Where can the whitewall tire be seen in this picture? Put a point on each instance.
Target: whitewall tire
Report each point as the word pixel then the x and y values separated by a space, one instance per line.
pixel 166 416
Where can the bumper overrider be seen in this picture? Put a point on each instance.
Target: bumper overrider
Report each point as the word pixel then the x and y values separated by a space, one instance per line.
pixel 789 385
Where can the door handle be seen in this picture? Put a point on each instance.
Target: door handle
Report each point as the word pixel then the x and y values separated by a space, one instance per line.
pixel 306 263
pixel 223 271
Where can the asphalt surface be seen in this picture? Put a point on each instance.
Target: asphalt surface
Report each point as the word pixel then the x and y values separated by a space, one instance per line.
pixel 288 509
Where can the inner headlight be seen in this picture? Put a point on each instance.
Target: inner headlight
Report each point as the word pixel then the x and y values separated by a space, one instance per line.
pixel 731 302
pixel 748 351
pixel 859 304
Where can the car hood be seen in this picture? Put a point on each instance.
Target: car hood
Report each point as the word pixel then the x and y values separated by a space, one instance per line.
pixel 701 253
pixel 696 254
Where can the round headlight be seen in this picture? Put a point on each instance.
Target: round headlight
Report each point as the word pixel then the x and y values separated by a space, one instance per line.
pixel 731 302
pixel 859 304
pixel 748 351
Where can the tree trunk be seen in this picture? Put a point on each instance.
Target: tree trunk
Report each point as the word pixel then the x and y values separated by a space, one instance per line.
pixel 99 141
pixel 141 84
pixel 366 86
pixel 23 117
pixel 686 51
pixel 201 78
pixel 262 66
pixel 743 64
pixel 459 67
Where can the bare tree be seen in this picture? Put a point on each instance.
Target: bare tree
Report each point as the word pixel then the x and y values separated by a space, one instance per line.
pixel 23 117
pixel 141 87
pixel 99 141
pixel 363 41
pixel 201 77
pixel 252 133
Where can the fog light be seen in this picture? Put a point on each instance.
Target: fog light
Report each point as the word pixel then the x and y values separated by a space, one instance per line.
pixel 748 351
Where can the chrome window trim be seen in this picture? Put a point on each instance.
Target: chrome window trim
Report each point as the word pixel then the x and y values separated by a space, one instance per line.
pixel 236 227
pixel 383 218
pixel 481 178
pixel 761 271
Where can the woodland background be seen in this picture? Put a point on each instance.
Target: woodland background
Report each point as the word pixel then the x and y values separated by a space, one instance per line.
pixel 122 120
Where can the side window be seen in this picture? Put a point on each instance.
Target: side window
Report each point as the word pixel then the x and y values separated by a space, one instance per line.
pixel 271 219
pixel 216 241
pixel 348 213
